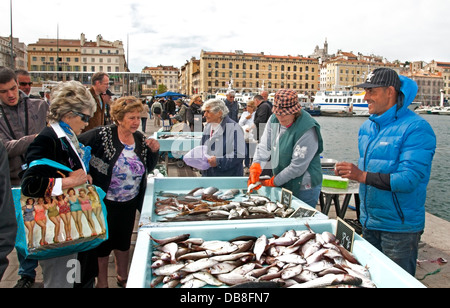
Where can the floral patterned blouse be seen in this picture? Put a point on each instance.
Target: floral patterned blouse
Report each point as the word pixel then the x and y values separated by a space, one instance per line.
pixel 126 177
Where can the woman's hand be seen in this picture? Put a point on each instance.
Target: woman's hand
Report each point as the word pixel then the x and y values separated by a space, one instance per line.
pixel 76 178
pixel 153 145
pixel 212 161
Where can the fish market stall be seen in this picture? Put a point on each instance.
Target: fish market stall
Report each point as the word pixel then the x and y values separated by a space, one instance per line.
pixel 171 202
pixel 281 254
pixel 177 144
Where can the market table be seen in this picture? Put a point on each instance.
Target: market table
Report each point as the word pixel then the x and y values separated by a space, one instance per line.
pixel 177 143
pixel 328 195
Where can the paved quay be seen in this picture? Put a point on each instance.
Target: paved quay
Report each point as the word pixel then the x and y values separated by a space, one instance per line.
pixel 434 244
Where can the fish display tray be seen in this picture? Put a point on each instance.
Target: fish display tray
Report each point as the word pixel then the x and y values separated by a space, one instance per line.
pixel 384 272
pixel 181 143
pixel 184 185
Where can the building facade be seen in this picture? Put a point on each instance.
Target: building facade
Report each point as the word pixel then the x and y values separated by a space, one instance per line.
pixel 190 77
pixel 19 53
pixel 346 70
pixel 444 69
pixel 249 72
pixel 62 59
pixel 162 75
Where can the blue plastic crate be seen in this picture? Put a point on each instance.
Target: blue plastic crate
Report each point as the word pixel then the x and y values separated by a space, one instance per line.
pixel 184 185
pixel 384 272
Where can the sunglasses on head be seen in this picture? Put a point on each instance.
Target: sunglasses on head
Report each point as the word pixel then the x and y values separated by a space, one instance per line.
pixel 84 117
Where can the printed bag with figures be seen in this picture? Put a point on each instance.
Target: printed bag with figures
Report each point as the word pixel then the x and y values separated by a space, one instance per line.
pixel 53 227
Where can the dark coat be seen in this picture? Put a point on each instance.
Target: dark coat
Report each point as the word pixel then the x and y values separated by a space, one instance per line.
pixel 106 150
pixel 38 181
pixel 228 145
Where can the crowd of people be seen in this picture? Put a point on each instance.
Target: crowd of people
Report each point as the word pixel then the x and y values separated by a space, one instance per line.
pixel 101 142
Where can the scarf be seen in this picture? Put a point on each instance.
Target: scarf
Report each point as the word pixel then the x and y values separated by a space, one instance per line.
pixel 83 151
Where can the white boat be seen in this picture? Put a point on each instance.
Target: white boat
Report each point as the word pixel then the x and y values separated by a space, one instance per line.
pixel 444 111
pixel 342 103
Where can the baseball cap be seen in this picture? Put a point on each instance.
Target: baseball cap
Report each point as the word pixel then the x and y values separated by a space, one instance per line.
pixel 382 77
pixel 286 102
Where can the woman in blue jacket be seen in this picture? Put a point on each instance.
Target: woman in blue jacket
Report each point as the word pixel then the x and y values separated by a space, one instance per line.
pixel 225 141
pixel 396 149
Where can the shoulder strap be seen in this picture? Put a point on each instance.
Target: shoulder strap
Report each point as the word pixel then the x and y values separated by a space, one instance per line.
pixel 51 163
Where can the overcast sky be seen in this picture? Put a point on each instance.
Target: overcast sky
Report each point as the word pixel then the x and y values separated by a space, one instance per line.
pixel 173 31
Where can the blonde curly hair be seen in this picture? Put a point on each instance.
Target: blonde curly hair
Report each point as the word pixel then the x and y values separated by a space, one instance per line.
pixel 67 97
pixel 123 106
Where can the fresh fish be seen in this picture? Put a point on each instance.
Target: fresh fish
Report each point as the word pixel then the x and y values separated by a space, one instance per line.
pixel 223 213
pixel 198 193
pixel 259 285
pixel 199 265
pixel 329 280
pixel 291 258
pixel 222 268
pixel 156 281
pixel 196 255
pixel 234 279
pixel 291 272
pixel 232 257
pixel 192 192
pixel 193 241
pixel 171 249
pixel 219 247
pixel 194 284
pixel 208 278
pixel 260 246
pixel 229 194
pixel 305 276
pixel 168 269
pixel 317 256
pixel 319 266
pixel 158 263
pixel 210 190
pixel 175 239
pixel 171 284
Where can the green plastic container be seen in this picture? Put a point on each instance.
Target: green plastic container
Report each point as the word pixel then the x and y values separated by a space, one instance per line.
pixel 334 182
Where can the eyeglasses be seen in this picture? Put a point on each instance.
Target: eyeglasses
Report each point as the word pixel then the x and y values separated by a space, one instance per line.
pixel 84 117
pixel 24 84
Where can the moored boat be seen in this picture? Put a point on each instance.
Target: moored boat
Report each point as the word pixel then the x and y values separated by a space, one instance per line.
pixel 342 103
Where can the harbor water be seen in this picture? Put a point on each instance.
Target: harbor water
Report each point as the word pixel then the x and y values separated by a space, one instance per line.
pixel 340 136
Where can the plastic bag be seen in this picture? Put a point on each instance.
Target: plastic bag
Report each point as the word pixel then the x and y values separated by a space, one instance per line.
pixel 197 158
pixel 58 226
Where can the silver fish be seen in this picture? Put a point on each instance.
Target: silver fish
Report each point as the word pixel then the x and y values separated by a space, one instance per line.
pixel 172 249
pixel 291 258
pixel 168 269
pixel 196 255
pixel 222 268
pixel 208 278
pixel 234 279
pixel 329 280
pixel 291 271
pixel 194 284
pixel 210 190
pixel 260 246
pixel 171 284
pixel 199 265
pixel 178 238
pixel 231 257
pixel 219 247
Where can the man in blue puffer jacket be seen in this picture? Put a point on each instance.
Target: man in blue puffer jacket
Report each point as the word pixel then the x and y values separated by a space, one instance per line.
pixel 396 149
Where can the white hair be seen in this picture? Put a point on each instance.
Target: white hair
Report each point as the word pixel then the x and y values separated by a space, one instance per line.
pixel 216 105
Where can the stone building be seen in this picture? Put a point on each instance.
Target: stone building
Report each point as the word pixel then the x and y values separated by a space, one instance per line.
pixel 252 72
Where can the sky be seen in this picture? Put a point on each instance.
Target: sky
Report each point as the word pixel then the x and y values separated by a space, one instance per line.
pixel 171 32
